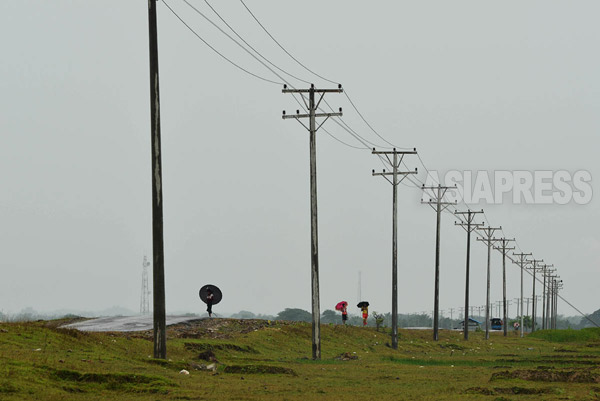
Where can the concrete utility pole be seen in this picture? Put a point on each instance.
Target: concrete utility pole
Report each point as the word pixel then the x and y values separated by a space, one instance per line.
pixel 397 177
pixel 438 205
pixel 545 294
pixel 488 239
pixel 551 282
pixel 158 265
pixel 312 128
pixel 504 248
pixel 535 268
pixel 468 226
pixel 522 262
pixel 451 311
pixel 558 285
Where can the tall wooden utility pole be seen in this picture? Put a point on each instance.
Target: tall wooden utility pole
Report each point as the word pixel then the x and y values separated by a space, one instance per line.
pixel 158 265
pixel 535 268
pixel 394 163
pixel 437 205
pixel 488 238
pixel 522 262
pixel 469 226
pixel 503 248
pixel 312 128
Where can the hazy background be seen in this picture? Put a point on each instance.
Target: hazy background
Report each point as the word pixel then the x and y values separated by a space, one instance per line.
pixel 473 85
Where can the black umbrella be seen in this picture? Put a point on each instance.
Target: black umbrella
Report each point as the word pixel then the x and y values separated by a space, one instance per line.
pixel 362 304
pixel 217 295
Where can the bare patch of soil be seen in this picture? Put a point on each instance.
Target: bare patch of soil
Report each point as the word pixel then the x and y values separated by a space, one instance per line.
pixel 509 390
pixel 259 369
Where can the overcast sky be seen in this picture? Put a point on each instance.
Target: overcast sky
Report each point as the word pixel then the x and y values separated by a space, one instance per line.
pixel 476 86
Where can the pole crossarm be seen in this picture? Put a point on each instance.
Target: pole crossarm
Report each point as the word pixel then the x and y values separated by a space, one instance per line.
pixel 489 235
pixel 286 90
pixel 297 116
pixel 438 193
pixel 504 241
pixel 392 152
pixel 392 173
pixel 534 263
pixel 468 225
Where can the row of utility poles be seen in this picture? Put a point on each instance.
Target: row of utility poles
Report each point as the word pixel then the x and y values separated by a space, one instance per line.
pixel 394 176
pixel 502 307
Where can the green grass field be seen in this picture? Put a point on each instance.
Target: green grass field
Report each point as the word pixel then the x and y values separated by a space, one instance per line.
pixel 260 360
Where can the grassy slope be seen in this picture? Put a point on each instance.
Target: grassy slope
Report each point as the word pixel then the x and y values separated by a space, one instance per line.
pixel 38 361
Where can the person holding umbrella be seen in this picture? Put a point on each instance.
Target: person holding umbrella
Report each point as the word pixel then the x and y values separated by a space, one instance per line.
pixel 211 295
pixel 343 307
pixel 364 307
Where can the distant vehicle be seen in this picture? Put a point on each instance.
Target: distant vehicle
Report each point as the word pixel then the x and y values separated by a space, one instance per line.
pixel 496 323
pixel 474 325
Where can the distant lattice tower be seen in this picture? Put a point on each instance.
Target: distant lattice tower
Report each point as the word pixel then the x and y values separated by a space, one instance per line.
pixel 359 292
pixel 145 299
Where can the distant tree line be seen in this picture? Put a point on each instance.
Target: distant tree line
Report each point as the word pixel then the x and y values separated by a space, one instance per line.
pixel 412 320
pixel 333 317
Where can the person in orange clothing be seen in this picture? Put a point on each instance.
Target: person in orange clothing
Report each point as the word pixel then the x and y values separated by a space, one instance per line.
pixel 365 314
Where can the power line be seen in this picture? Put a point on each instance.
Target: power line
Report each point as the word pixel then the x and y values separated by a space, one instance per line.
pixel 250 46
pixel 233 40
pixel 283 48
pixel 215 50
pixel 341 122
pixel 369 125
pixel 308 69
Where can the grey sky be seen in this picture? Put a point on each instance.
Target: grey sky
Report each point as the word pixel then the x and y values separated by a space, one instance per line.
pixel 473 85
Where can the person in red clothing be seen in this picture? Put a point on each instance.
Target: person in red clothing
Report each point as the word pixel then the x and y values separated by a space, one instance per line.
pixel 365 314
pixel 344 313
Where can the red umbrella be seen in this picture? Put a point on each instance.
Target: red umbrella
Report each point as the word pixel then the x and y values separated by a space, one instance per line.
pixel 341 305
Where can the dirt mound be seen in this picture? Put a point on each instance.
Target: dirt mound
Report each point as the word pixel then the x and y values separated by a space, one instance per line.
pixel 550 375
pixel 215 328
pixel 220 328
pixel 346 356
pixel 208 355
